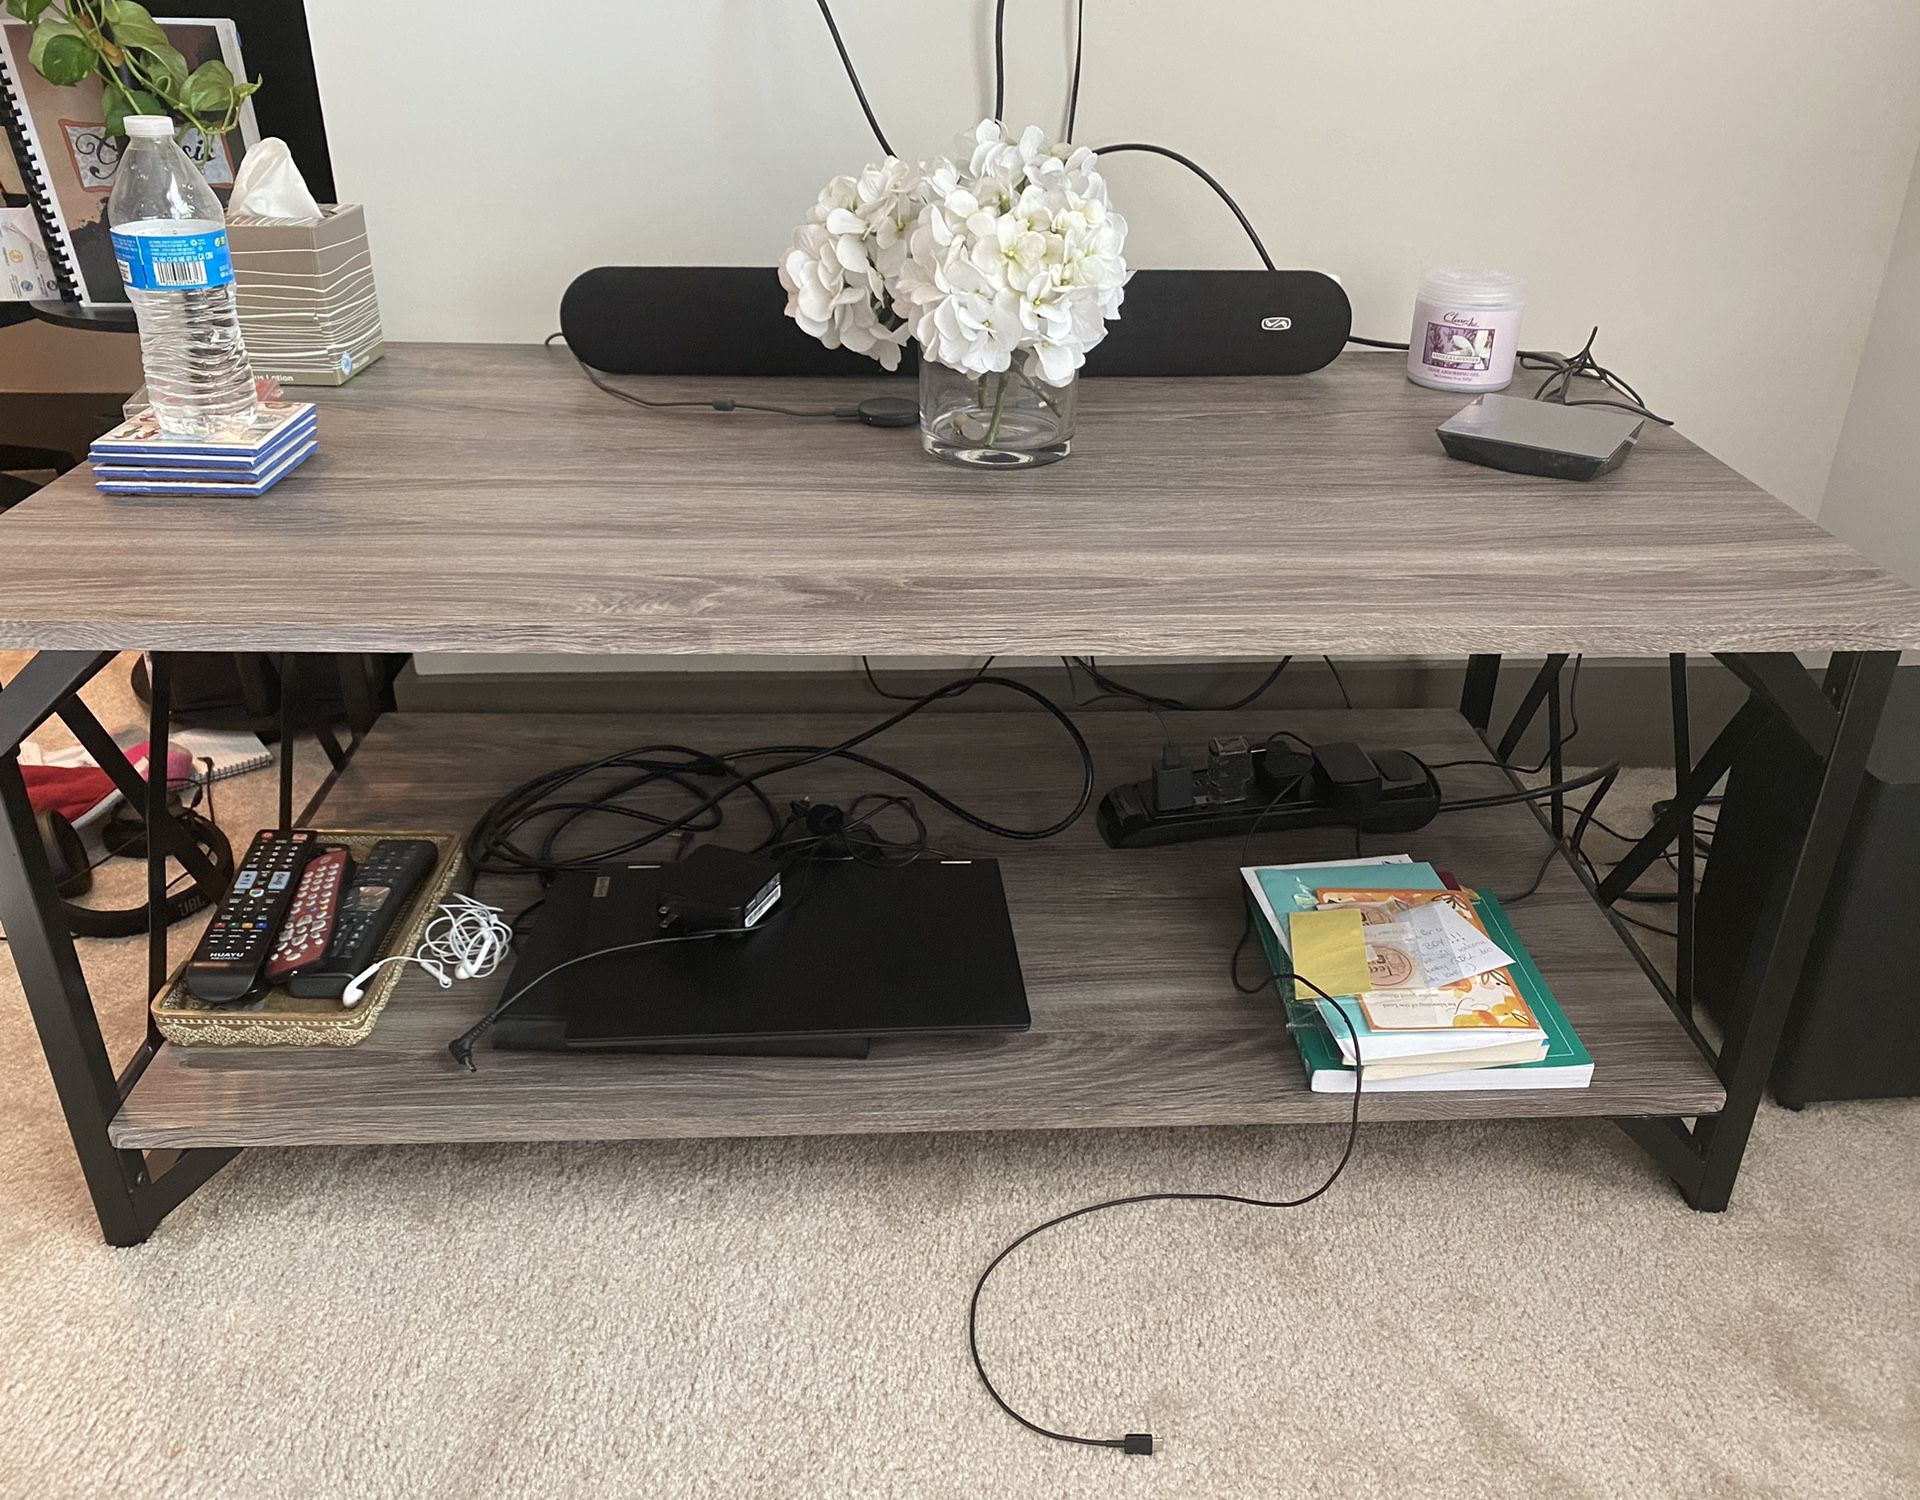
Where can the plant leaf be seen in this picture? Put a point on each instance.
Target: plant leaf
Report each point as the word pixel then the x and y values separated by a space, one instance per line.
pixel 27 10
pixel 133 26
pixel 134 30
pixel 209 89
pixel 60 54
pixel 174 66
pixel 122 102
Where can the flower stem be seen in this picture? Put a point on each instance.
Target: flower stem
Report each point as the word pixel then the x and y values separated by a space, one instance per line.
pixel 999 408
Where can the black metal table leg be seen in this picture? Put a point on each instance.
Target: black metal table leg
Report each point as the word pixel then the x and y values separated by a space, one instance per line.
pixel 1837 720
pixel 1685 904
pixel 289 671
pixel 1476 694
pixel 131 1192
pixel 1857 685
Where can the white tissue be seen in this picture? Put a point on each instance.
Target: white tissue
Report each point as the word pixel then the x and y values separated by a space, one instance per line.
pixel 269 186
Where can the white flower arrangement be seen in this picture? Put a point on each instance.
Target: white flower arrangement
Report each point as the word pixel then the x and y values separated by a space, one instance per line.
pixel 1013 252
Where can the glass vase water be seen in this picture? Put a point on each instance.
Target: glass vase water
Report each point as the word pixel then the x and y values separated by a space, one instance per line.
pixel 1007 420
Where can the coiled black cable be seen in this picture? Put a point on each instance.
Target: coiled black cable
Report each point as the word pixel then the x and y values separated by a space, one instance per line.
pixel 504 840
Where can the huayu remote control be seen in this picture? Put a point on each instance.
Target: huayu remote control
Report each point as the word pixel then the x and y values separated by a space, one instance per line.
pixel 309 924
pixel 228 966
pixel 382 888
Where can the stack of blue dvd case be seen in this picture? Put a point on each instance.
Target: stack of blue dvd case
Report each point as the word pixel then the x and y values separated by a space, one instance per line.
pixel 138 458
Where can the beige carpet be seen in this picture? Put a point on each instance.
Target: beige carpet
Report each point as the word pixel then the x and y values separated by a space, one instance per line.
pixel 1497 1310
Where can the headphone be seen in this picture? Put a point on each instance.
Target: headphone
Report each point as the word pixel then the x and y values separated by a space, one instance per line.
pixel 73 876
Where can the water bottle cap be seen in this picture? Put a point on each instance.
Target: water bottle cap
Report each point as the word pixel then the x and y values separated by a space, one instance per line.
pixel 150 127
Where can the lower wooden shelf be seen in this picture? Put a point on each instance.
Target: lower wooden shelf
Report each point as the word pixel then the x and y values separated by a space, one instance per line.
pixel 1134 1019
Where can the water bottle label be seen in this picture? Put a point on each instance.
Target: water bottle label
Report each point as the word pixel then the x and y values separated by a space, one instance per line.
pixel 173 262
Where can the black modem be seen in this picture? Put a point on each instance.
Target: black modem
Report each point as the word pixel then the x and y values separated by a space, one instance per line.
pixel 1547 438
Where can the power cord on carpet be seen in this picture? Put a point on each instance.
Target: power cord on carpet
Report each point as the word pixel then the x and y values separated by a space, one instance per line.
pixel 1143 1443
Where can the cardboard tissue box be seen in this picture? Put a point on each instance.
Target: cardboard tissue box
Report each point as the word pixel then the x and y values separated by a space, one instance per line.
pixel 303 275
pixel 308 309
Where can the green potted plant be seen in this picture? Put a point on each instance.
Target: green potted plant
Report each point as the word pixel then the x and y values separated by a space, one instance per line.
pixel 140 72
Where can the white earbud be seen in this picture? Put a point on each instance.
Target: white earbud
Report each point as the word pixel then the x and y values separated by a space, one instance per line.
pixel 471 935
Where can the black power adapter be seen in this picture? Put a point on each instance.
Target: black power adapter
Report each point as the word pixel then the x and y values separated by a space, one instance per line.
pixel 717 890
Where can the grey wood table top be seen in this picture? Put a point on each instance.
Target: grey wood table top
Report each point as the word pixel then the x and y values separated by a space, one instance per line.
pixel 487 498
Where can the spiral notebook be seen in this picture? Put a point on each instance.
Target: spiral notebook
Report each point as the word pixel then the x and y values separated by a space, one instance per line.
pixel 220 753
pixel 67 160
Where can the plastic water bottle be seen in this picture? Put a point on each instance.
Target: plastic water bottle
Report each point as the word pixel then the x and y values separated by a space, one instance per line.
pixel 170 238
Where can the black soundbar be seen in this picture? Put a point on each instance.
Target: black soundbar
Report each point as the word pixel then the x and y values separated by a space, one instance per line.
pixel 730 321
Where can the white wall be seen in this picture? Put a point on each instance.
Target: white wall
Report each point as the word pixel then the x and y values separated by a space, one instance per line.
pixel 1873 495
pixel 1715 182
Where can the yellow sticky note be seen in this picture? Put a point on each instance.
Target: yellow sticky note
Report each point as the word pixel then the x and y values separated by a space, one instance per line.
pixel 1329 950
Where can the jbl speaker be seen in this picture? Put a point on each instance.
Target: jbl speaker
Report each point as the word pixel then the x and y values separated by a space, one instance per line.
pixel 731 321
pixel 1854 1029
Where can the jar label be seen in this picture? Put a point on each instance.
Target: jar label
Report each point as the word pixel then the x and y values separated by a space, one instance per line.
pixel 173 262
pixel 1458 346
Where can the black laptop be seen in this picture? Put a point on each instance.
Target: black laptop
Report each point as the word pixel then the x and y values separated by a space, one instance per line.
pixel 850 952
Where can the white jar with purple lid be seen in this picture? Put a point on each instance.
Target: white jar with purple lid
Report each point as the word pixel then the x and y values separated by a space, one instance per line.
pixel 1466 330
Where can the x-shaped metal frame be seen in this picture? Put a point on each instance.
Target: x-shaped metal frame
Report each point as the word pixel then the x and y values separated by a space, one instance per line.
pixel 1836 717
pixel 132 1190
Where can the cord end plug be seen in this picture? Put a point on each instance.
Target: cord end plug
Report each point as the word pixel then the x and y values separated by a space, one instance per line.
pixel 1137 1442
pixel 461 1050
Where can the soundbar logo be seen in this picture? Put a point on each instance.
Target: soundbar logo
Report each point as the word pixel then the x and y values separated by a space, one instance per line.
pixel 1276 325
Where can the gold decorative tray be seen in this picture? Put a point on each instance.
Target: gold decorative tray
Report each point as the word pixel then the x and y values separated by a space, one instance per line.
pixel 278 1019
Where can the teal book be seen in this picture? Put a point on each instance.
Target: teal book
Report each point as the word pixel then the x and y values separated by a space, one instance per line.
pixel 1277 890
pixel 1567 1064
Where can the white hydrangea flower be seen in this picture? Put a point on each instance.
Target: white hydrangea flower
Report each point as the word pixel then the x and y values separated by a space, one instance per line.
pixel 1010 251
pixel 837 271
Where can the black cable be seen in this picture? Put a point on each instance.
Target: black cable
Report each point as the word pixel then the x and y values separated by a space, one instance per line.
pixel 1079 47
pixel 1560 745
pixel 1205 176
pixel 547 342
pixel 874 682
pixel 1583 364
pixel 1142 1442
pixel 1107 684
pixel 1534 794
pixel 1246 844
pixel 1338 681
pixel 1376 343
pixel 717 403
pixel 999 59
pixel 492 847
pixel 1534 884
pixel 851 835
pixel 854 79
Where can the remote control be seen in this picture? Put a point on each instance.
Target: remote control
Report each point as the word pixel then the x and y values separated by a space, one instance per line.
pixel 226 968
pixel 309 922
pixel 380 891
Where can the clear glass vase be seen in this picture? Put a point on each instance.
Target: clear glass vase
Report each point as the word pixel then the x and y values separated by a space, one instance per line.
pixel 1009 420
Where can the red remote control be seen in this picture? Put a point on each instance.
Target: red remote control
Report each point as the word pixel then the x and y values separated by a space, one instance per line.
pixel 309 923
